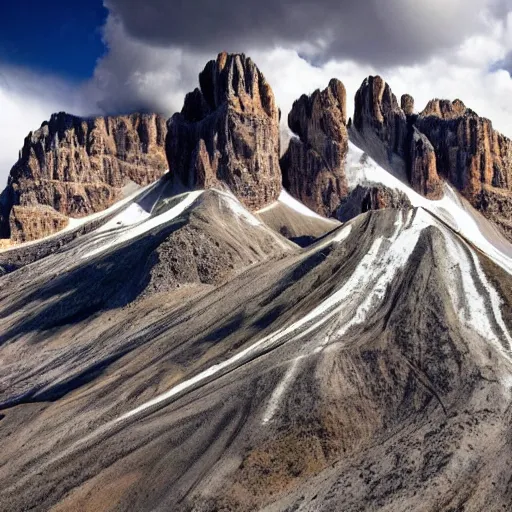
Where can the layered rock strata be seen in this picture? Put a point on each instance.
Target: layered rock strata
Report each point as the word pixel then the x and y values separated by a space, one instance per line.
pixel 74 167
pixel 227 134
pixel 314 164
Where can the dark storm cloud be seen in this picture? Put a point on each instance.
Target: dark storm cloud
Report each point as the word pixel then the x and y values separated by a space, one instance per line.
pixel 385 31
pixel 500 8
pixel 505 64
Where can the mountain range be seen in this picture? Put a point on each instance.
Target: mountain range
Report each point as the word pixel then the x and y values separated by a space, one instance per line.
pixel 195 318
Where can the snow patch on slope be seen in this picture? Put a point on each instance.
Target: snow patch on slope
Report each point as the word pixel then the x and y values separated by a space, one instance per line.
pixel 280 390
pixel 75 223
pixel 287 200
pixel 237 208
pixel 475 309
pixel 357 298
pixel 362 170
pixel 135 212
pixel 136 196
pixel 341 234
pixel 128 232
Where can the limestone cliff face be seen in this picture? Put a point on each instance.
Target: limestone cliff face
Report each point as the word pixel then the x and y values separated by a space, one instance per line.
pixel 77 167
pixel 446 109
pixel 470 153
pixel 407 104
pixel 446 140
pixel 472 156
pixel 379 118
pixel 423 167
pixel 32 222
pixel 227 134
pixel 314 164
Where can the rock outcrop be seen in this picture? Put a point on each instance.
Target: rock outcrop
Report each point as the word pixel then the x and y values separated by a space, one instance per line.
pixel 378 118
pixel 446 109
pixel 313 166
pixel 470 153
pixel 446 140
pixel 227 134
pixel 386 131
pixel 74 167
pixel 423 167
pixel 407 104
pixel 472 156
pixel 496 204
pixel 32 222
pixel 366 198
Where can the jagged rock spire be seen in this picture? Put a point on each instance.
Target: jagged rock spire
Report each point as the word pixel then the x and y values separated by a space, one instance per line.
pixel 314 164
pixel 227 134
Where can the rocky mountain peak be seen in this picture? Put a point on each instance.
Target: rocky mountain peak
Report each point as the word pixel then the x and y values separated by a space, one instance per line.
pixel 73 167
pixel 472 156
pixel 227 134
pixel 313 165
pixel 446 109
pixel 378 115
pixel 324 112
pixel 447 140
pixel 407 104
pixel 375 99
pixel 235 79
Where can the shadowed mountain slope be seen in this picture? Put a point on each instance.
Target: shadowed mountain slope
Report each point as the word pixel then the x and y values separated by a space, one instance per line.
pixel 369 370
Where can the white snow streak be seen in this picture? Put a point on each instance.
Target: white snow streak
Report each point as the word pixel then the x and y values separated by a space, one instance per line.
pixel 471 305
pixel 123 234
pixel 449 208
pixel 314 319
pixel 245 215
pixel 133 214
pixel 342 234
pixel 493 296
pixel 359 296
pixel 278 393
pixel 138 195
pixel 216 368
pixel 286 199
pixel 237 208
pixel 402 244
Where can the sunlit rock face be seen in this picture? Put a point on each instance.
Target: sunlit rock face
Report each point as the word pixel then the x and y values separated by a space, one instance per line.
pixel 77 166
pixel 227 134
pixel 314 164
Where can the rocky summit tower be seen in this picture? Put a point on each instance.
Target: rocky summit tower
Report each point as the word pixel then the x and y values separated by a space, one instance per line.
pixel 227 134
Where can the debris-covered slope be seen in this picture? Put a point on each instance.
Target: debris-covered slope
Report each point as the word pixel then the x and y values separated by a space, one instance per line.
pixel 212 344
pixel 369 370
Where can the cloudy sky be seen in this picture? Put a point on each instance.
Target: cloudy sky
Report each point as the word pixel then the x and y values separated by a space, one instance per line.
pixel 113 56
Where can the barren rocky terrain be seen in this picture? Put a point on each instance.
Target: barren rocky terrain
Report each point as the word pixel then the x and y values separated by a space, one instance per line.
pixel 210 343
pixel 196 359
